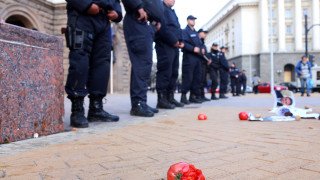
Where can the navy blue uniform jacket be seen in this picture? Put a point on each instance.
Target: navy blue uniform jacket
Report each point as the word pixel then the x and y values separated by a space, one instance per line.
pixel 170 31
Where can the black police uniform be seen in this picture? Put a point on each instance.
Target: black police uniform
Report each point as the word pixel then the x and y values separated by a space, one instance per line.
pixel 168 59
pixel 191 66
pixel 139 37
pixel 204 72
pixel 89 40
pixel 213 71
pixel 234 76
pixel 224 74
pixel 243 81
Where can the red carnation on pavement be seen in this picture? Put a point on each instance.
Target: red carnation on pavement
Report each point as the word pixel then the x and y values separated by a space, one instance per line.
pixel 184 171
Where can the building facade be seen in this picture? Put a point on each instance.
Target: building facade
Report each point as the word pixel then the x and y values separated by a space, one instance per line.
pixel 49 18
pixel 244 27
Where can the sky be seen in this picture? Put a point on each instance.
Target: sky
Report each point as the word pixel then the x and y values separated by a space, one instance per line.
pixel 204 10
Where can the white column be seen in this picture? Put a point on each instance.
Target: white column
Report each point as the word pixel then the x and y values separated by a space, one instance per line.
pixel 316 29
pixel 298 24
pixel 264 27
pixel 281 26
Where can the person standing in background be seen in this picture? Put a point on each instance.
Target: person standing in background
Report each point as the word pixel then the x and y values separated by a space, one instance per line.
pixel 224 72
pixel 255 83
pixel 168 41
pixel 191 64
pixel 204 65
pixel 243 81
pixel 303 70
pixel 139 35
pixel 89 40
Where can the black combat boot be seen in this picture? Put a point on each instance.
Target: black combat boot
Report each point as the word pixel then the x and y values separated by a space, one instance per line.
pixel 193 99
pixel 203 96
pixel 140 109
pixel 213 96
pixel 154 110
pixel 184 99
pixel 77 118
pixel 163 103
pixel 222 96
pixel 170 97
pixel 96 112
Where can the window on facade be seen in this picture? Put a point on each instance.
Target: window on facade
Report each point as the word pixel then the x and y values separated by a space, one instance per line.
pixel 289 30
pixel 288 0
pixel 288 13
pixel 318 75
pixel 273 14
pixel 305 12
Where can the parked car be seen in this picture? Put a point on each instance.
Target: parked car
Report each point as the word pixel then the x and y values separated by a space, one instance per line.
pixel 266 87
pixel 248 89
pixel 291 86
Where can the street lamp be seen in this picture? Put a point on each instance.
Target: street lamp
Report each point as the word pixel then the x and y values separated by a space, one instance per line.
pixel 306 34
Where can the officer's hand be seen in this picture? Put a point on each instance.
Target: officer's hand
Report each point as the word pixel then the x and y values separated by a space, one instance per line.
pixel 237 76
pixel 181 45
pixel 209 62
pixel 203 51
pixel 158 26
pixel 176 44
pixel 143 15
pixel 94 9
pixel 229 70
pixel 196 50
pixel 112 15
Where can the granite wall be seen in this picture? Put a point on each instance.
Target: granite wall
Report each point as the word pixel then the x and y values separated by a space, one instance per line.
pixel 31 82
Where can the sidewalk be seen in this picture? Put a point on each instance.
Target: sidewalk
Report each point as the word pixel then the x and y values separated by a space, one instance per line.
pixel 144 148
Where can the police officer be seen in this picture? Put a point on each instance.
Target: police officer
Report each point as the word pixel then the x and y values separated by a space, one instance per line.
pixel 214 69
pixel 205 62
pixel 224 72
pixel 234 76
pixel 139 35
pixel 243 82
pixel 89 40
pixel 168 41
pixel 191 64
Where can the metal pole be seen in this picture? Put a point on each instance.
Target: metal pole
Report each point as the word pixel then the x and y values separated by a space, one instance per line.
pixel 306 33
pixel 271 47
pixel 111 73
pixel 250 67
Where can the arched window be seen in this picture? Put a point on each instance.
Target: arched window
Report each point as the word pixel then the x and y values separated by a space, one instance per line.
pixel 289 73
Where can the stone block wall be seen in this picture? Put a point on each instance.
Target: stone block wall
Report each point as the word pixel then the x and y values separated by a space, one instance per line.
pixel 31 81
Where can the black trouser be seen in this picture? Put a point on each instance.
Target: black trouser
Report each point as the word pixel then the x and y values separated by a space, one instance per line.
pixel 139 39
pixel 224 76
pixel 204 83
pixel 191 74
pixel 214 79
pixel 168 67
pixel 255 89
pixel 244 86
pixel 234 85
pixel 89 69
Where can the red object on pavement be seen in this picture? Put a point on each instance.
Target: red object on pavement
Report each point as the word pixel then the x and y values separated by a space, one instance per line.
pixel 184 171
pixel 243 116
pixel 202 117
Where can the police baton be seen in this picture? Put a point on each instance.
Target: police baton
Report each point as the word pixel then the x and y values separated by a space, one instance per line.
pixel 206 58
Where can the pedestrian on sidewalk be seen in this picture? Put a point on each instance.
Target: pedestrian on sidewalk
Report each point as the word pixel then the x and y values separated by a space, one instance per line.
pixel 303 70
pixel 89 40
pixel 255 83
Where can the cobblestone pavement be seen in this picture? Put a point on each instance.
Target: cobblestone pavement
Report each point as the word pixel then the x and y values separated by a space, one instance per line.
pixel 144 148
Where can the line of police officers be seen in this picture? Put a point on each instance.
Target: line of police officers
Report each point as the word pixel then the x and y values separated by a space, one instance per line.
pixel 88 37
